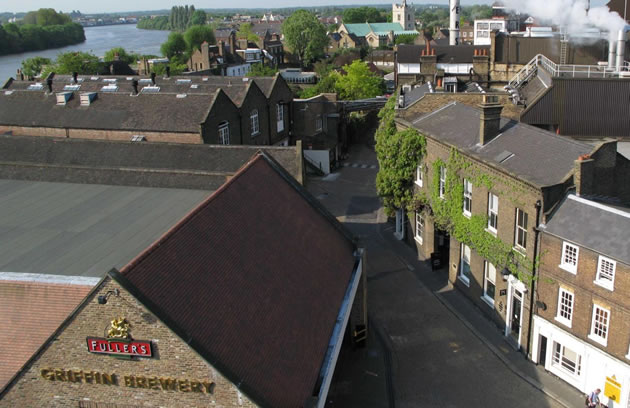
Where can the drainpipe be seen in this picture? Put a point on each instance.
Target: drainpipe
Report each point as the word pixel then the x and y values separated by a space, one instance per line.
pixel 532 296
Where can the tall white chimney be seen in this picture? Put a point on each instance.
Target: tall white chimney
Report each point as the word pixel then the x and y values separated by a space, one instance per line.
pixel 621 48
pixel 612 45
pixel 454 27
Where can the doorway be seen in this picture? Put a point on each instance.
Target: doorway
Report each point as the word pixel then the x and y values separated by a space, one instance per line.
pixel 514 313
pixel 399 233
pixel 442 245
pixel 542 350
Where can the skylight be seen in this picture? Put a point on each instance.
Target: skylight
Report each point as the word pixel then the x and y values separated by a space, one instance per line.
pixel 38 86
pixel 151 89
pixel 110 80
pixel 181 96
pixel 109 88
pixel 194 86
pixel 72 87
pixel 144 81
pixel 183 81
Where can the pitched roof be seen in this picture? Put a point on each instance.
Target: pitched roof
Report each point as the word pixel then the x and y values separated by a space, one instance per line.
pixel 32 308
pixel 446 54
pixel 363 29
pixel 258 257
pixel 458 125
pixel 599 227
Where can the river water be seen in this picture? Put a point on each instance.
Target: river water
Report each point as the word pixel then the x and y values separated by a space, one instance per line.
pixel 98 40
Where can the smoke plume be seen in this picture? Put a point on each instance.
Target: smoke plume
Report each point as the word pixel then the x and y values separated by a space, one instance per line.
pixel 570 14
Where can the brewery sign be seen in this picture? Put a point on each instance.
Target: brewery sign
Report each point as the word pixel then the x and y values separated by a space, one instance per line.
pixel 119 342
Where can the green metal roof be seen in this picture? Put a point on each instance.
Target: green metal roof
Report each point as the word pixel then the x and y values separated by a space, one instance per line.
pixel 363 29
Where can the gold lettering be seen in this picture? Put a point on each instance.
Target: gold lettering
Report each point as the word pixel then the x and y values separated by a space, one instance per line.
pixel 209 387
pixel 184 386
pixel 153 383
pixel 97 377
pixel 129 381
pixel 168 384
pixel 60 375
pixel 141 382
pixel 88 377
pixel 108 379
pixel 48 373
pixel 77 374
pixel 195 386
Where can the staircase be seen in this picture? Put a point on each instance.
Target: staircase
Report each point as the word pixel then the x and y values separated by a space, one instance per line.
pixel 521 78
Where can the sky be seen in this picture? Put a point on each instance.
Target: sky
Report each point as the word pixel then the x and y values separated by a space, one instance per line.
pixel 92 6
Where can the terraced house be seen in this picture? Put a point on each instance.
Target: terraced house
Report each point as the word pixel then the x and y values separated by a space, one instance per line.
pixel 482 187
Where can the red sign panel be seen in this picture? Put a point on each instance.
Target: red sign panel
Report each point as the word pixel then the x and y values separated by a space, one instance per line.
pixel 131 348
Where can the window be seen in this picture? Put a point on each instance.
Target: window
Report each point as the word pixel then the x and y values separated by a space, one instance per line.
pixel 566 359
pixel 467 197
pixel 489 283
pixel 520 239
pixel 318 123
pixel 224 133
pixel 464 264
pixel 599 327
pixel 569 257
pixel 280 117
pixel 605 272
pixel 493 212
pixel 565 307
pixel 253 119
pixel 419 227
pixel 442 181
pixel 419 175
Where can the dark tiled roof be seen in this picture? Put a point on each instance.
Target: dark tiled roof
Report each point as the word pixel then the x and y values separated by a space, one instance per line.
pixel 409 54
pixel 446 54
pixel 592 225
pixel 257 257
pixel 458 125
pixel 417 93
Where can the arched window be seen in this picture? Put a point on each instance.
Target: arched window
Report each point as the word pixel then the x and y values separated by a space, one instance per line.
pixel 253 119
pixel 224 132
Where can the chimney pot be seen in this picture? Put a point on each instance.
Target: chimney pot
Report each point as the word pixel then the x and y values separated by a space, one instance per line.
pixel 153 78
pixel 134 84
pixel 75 75
pixel 490 119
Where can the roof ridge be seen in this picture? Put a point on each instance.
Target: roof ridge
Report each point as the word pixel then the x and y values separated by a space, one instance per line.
pixel 189 217
pixel 598 205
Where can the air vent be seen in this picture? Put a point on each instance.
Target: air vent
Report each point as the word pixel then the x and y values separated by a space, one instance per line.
pixel 72 87
pixel 38 86
pixel 150 89
pixel 109 88
pixel 87 98
pixel 63 97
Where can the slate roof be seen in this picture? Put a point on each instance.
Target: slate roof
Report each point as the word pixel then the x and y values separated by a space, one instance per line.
pixel 268 266
pixel 417 93
pixel 81 229
pixel 446 54
pixel 363 29
pixel 540 157
pixel 32 308
pixel 592 225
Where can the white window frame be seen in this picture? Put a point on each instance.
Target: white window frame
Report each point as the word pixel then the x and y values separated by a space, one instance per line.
pixel 224 133
pixel 518 228
pixel 419 175
pixel 419 227
pixel 464 258
pixel 487 278
pixel 598 338
pixel 493 209
pixel 253 120
pixel 280 117
pixel 608 283
pixel 565 307
pixel 568 261
pixel 556 359
pixel 468 188
pixel 442 177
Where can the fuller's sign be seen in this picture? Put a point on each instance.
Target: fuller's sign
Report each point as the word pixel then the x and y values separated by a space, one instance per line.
pixel 120 347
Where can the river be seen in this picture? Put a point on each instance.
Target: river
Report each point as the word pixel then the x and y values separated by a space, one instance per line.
pixel 98 40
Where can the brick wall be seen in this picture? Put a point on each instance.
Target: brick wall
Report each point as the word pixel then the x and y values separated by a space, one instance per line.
pixel 281 93
pixel 222 110
pixel 585 293
pixel 255 100
pixel 68 351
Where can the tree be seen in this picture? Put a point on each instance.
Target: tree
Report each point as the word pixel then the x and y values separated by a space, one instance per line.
pixel 245 31
pixel 260 70
pixel 32 67
pixel 199 17
pixel 81 62
pixel 174 46
pixel 327 84
pixel 359 82
pixel 196 35
pixel 305 35
pixel 46 17
pixel 363 15
pixel 175 68
pixel 122 55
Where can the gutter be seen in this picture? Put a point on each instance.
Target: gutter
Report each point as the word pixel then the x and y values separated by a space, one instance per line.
pixel 334 346
pixel 532 303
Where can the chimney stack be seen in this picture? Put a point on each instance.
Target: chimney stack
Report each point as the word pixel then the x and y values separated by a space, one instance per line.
pixel 134 84
pixel 75 76
pixel 453 36
pixel 621 49
pixel 152 78
pixel 168 71
pixel 49 82
pixel 490 122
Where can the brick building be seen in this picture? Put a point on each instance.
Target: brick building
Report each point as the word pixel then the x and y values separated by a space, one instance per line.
pixel 192 109
pixel 505 187
pixel 252 331
pixel 581 330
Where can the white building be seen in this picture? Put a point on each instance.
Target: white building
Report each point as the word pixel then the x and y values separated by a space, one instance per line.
pixel 484 27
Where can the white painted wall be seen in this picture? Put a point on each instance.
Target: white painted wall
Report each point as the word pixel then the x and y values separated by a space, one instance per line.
pixel 319 157
pixel 409 68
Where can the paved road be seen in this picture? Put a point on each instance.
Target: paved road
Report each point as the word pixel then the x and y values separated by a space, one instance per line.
pixel 434 360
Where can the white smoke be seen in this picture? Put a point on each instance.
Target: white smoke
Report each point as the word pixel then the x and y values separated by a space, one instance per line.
pixel 570 14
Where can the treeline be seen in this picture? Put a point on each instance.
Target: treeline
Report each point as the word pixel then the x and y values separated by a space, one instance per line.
pixel 180 18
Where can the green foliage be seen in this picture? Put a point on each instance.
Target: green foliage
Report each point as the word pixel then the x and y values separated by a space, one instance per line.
pixel 123 55
pixel 260 70
pixel 46 17
pixel 405 39
pixel 82 62
pixel 245 31
pixel 180 16
pixel 199 17
pixel 31 37
pixel 326 84
pixel 363 15
pixel 179 19
pixel 398 156
pixel 176 68
pixel 174 46
pixel 305 36
pixel 32 67
pixel 156 23
pixel 359 82
pixel 196 35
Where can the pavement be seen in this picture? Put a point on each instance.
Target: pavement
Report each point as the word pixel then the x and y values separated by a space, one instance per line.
pixel 428 346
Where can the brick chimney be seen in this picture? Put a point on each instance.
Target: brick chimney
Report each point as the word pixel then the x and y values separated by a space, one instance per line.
pixel 490 123
pixel 583 175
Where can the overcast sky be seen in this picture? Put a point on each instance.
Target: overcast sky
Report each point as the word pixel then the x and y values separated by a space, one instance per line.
pixel 92 6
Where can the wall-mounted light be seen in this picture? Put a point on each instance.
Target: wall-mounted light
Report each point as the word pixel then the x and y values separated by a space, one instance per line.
pixel 102 299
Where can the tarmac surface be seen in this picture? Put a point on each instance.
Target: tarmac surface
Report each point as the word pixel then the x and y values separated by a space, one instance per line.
pixel 428 346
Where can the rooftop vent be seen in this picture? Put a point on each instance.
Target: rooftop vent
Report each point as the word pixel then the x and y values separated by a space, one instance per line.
pixel 63 97
pixel 144 80
pixel 87 98
pixel 181 96
pixel 94 78
pixel 37 86
pixel 72 87
pixel 245 79
pixel 129 78
pixel 109 88
pixel 8 92
pixel 194 86
pixel 183 81
pixel 204 79
pixel 110 80
pixel 138 138
pixel 151 89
